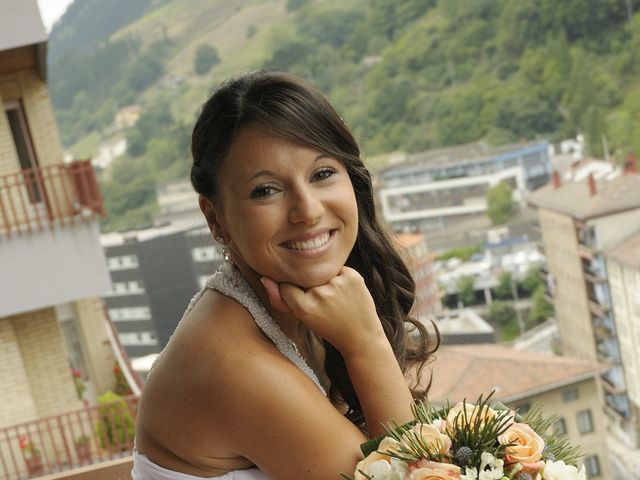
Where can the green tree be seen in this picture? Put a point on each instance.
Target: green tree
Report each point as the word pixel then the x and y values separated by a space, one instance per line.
pixel 500 204
pixel 205 58
pixel 502 315
pixel 503 290
pixel 540 309
pixel 466 292
pixel 532 280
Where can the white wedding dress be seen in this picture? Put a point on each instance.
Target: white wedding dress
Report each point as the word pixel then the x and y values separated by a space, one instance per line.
pixel 228 281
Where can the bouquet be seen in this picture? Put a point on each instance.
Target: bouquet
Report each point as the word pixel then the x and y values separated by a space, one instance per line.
pixel 470 442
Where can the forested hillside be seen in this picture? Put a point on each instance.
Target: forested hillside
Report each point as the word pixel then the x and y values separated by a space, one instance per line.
pixel 405 74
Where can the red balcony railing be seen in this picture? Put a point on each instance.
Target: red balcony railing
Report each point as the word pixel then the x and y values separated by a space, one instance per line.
pixel 34 199
pixel 65 442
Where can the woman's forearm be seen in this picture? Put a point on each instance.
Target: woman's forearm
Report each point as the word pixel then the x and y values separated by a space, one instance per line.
pixel 380 385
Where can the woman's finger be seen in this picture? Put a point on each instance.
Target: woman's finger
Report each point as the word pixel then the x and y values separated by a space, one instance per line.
pixel 273 291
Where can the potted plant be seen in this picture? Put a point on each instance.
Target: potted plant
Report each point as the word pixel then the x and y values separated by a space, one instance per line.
pixel 32 457
pixel 83 448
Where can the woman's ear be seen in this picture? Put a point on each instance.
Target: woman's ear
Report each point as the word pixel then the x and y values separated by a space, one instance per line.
pixel 211 214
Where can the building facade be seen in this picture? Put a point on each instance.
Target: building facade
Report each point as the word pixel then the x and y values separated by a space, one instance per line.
pixel 582 214
pixel 447 188
pixel 54 332
pixel 420 262
pixel 566 387
pixel 154 273
pixel 623 268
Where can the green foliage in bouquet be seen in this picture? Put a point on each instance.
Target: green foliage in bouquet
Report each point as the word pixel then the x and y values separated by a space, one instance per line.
pixel 465 440
pixel 557 447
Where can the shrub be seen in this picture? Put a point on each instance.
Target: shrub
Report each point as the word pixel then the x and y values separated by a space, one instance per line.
pixel 115 428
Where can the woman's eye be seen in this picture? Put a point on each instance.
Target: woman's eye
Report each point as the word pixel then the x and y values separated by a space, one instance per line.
pixel 263 191
pixel 323 173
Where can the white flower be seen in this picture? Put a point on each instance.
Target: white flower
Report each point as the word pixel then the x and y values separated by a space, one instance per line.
pixel 380 470
pixel 439 424
pixel 470 474
pixel 486 460
pixel 561 471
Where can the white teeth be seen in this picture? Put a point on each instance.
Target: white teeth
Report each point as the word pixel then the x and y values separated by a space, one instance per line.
pixel 316 242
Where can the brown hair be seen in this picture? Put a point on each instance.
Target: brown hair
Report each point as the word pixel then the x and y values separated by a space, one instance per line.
pixel 291 109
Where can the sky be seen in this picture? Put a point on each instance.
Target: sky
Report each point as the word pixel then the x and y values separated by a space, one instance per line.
pixel 52 10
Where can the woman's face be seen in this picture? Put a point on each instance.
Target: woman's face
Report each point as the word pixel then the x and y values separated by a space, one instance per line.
pixel 288 212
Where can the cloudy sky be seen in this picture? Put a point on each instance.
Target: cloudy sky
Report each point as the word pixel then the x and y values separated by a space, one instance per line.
pixel 52 10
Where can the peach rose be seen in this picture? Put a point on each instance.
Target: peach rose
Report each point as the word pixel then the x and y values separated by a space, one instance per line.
pixel 527 446
pixel 386 445
pixel 435 471
pixel 431 437
pixel 456 416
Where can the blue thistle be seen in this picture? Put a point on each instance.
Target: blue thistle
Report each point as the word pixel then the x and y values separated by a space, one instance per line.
pixel 462 456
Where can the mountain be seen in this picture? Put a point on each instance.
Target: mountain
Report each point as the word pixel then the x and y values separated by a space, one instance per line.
pixel 405 74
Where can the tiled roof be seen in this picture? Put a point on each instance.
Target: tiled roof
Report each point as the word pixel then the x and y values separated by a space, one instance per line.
pixel 467 371
pixel 615 192
pixel 627 252
pixel 408 240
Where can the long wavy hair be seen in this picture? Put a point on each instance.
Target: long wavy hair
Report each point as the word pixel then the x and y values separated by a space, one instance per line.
pixel 290 108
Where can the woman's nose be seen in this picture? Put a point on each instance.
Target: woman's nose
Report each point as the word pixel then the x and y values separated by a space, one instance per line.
pixel 306 207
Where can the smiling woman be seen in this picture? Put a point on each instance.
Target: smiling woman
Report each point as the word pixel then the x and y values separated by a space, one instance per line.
pixel 313 299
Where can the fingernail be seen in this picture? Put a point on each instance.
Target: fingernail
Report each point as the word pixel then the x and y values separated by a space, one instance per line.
pixel 262 280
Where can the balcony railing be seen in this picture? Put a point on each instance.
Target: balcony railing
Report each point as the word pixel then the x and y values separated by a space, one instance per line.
pixel 38 198
pixel 68 441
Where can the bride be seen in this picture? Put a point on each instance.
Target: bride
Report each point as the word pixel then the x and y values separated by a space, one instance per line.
pixel 295 351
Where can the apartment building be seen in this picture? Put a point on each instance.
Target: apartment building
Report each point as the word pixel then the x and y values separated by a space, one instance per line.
pixel 444 189
pixel 582 214
pixel 564 386
pixel 623 271
pixel 53 270
pixel 154 273
pixel 420 262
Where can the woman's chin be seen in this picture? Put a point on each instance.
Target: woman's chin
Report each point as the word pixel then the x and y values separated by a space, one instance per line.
pixel 313 279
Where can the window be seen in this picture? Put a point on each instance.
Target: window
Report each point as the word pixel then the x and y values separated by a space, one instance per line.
pixel 138 338
pixel 205 254
pixel 125 288
pixel 570 394
pixel 24 149
pixel 123 262
pixel 585 422
pixel 132 313
pixel 592 466
pixel 560 427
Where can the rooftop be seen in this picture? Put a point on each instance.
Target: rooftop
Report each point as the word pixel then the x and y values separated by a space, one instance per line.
pixel 469 153
pixel 467 371
pixel 614 191
pixel 20 24
pixel 627 252
pixel 408 240
pixel 464 321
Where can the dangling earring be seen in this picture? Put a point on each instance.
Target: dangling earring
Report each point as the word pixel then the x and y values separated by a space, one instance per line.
pixel 225 254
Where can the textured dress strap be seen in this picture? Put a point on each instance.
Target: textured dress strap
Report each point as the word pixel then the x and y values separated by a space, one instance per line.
pixel 230 282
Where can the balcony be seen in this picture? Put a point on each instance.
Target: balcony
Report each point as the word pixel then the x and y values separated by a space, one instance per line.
pixel 42 198
pixel 50 237
pixel 74 440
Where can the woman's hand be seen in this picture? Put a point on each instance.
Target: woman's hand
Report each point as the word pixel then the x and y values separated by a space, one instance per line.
pixel 341 311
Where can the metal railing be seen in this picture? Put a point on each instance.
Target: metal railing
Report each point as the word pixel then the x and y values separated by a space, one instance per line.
pixel 68 441
pixel 34 199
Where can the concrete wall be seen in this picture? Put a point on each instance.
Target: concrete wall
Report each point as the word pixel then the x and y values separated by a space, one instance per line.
pixel 570 295
pixel 588 398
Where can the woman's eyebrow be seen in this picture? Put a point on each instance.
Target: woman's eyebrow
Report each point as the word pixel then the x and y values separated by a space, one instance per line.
pixel 267 173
